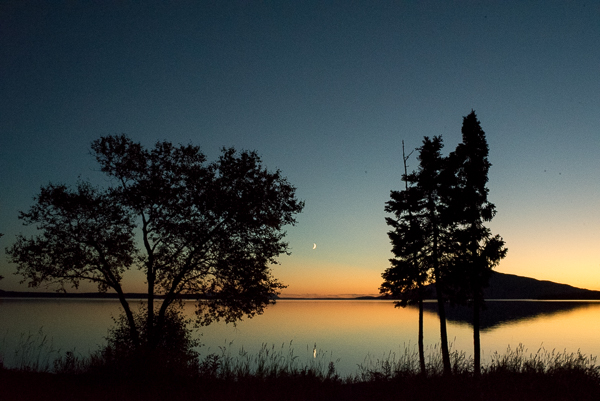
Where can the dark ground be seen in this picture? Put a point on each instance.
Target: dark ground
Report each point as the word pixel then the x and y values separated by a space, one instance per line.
pixel 502 386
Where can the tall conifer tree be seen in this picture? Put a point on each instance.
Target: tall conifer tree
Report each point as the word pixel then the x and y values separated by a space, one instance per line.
pixel 439 233
pixel 420 236
pixel 477 251
pixel 408 276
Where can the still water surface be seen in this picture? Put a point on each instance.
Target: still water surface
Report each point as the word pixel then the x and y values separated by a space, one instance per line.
pixel 344 331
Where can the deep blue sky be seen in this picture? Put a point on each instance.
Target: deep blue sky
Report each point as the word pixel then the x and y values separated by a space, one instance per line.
pixel 326 92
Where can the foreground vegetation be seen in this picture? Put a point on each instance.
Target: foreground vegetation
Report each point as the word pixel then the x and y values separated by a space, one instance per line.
pixel 276 374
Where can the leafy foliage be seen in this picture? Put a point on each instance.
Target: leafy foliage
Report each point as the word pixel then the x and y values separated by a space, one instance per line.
pixel 211 230
pixel 174 355
pixel 208 229
pixel 85 235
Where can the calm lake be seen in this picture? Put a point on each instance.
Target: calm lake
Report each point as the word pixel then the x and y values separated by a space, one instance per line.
pixel 344 331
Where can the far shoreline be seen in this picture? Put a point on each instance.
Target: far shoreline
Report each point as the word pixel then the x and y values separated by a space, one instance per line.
pixel 141 296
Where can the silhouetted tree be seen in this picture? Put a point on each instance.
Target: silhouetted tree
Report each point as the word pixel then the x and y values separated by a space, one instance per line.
pixel 206 229
pixel 408 275
pixel 421 234
pixel 439 232
pixel 477 251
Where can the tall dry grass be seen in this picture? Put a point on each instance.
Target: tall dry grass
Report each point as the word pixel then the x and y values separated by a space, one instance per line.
pixel 35 352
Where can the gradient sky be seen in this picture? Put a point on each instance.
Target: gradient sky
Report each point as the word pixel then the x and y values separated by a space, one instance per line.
pixel 325 92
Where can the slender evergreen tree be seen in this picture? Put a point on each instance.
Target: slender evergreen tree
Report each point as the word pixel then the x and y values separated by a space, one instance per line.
pixel 420 237
pixel 408 276
pixel 477 251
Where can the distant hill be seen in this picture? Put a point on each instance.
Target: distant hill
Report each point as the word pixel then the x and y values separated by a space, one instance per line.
pixel 511 286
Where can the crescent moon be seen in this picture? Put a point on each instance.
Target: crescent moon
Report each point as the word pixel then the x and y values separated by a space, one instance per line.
pixel 314 246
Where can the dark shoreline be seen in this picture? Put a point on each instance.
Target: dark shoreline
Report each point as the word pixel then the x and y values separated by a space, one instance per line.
pixel 498 386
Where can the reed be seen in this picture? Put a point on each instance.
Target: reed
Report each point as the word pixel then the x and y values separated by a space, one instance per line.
pixel 34 352
pixel 406 364
pixel 279 372
pixel 519 360
pixel 269 363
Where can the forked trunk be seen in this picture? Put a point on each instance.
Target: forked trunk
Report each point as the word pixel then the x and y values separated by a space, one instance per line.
pixel 150 278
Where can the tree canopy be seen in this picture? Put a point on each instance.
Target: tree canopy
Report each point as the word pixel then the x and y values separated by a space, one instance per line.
pixel 211 230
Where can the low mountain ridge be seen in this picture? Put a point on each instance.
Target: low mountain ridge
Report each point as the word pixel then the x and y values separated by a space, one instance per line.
pixel 511 286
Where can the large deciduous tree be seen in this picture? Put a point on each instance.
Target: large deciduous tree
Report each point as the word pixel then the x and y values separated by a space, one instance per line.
pixel 209 230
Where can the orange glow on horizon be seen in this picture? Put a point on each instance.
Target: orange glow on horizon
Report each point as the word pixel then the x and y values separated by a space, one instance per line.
pixel 319 279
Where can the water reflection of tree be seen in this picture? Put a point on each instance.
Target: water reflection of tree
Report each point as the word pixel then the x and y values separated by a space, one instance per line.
pixel 500 313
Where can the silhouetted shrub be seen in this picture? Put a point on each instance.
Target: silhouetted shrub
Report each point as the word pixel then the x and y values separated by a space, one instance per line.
pixel 172 354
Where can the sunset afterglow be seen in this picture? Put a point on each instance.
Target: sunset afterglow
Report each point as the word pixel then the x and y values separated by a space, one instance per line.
pixel 325 93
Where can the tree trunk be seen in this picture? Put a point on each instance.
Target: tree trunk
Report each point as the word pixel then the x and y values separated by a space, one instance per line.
pixel 421 348
pixel 150 278
pixel 116 285
pixel 443 333
pixel 150 318
pixel 476 339
pixel 133 331
pixel 440 300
